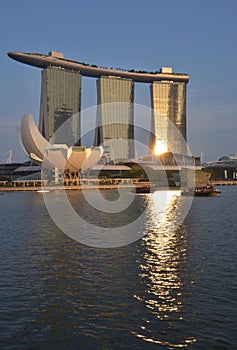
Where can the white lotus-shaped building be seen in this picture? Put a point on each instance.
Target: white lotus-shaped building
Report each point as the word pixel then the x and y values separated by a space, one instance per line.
pixel 51 156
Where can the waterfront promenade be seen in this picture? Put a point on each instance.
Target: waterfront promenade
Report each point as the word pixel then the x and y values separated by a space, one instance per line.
pixel 223 182
pixel 88 184
pixel 85 184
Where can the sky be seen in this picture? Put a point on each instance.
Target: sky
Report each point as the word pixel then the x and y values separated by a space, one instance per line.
pixel 193 37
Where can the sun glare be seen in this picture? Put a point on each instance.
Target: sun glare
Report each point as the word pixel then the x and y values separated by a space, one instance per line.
pixel 160 147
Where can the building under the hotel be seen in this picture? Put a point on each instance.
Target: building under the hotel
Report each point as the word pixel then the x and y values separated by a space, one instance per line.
pixel 115 117
pixel 61 98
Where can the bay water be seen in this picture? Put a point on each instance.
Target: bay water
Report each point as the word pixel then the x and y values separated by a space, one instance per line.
pixel 175 287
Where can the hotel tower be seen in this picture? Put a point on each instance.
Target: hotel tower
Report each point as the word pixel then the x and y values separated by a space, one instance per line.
pixel 61 98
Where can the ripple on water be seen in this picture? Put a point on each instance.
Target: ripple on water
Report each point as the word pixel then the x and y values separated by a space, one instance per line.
pixel 174 288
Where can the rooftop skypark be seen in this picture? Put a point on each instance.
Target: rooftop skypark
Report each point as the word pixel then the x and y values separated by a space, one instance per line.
pixel 57 59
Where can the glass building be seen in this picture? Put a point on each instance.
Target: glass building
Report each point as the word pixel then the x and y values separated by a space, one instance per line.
pixel 60 100
pixel 61 97
pixel 168 100
pixel 115 117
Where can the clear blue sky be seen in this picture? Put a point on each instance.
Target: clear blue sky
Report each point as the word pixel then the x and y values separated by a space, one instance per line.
pixel 194 37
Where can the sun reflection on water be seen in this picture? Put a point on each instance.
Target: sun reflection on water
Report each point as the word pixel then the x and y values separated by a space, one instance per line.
pixel 164 254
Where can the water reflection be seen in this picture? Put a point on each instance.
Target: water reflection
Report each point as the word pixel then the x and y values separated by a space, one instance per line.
pixel 163 262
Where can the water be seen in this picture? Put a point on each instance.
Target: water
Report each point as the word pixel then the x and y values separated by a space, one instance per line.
pixel 174 288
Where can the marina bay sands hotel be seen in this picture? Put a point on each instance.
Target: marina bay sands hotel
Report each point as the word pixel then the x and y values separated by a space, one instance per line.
pixel 61 98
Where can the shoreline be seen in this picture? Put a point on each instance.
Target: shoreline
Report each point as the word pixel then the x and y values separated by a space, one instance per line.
pixel 137 186
pixel 143 186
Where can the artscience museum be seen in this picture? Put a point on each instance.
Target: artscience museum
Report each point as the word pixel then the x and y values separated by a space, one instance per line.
pixel 73 159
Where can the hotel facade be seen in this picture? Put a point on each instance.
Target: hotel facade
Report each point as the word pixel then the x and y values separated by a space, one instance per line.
pixel 115 117
pixel 61 99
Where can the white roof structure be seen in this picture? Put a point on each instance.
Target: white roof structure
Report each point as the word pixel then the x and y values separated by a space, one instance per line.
pixel 50 156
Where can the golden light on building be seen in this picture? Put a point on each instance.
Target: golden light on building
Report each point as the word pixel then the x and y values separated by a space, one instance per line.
pixel 160 147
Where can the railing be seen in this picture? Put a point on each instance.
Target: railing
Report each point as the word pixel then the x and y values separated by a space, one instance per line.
pixel 72 182
pixel 223 182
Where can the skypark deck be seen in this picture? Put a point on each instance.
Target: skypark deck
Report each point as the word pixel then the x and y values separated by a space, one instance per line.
pixel 44 61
